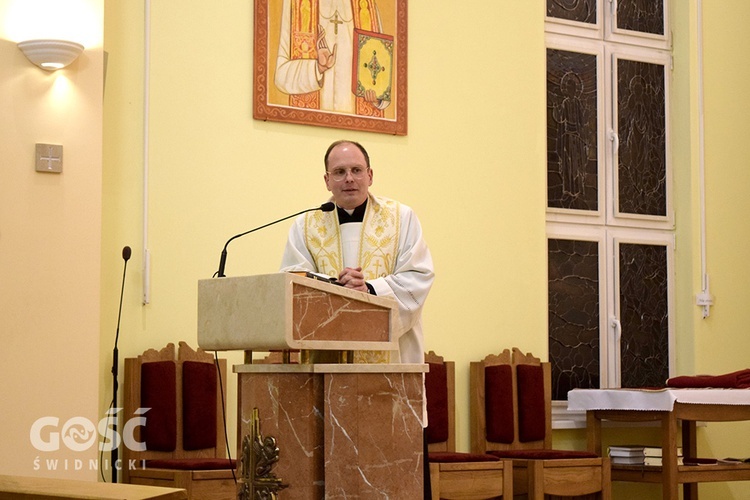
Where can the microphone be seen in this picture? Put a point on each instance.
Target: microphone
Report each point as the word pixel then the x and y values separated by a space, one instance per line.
pixel 126 252
pixel 325 207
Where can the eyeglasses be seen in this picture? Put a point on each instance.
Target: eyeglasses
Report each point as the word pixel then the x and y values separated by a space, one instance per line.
pixel 339 174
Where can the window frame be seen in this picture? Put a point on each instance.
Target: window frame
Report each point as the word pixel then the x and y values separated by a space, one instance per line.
pixel 621 35
pixel 607 226
pixel 614 238
pixel 605 27
pixel 556 42
pixel 614 216
pixel 608 240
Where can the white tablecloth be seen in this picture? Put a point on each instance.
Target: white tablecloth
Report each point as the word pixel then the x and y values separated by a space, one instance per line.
pixel 654 400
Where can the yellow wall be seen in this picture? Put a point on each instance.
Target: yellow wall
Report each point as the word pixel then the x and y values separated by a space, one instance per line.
pixel 472 166
pixel 50 237
pixel 470 159
pixel 721 341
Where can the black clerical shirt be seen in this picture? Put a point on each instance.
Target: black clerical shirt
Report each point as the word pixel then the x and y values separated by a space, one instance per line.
pixel 358 215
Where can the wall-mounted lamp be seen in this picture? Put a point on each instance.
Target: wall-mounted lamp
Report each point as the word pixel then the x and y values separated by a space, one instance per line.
pixel 51 54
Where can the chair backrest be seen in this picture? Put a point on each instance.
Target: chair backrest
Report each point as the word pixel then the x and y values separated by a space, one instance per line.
pixel 185 400
pixel 511 402
pixel 441 403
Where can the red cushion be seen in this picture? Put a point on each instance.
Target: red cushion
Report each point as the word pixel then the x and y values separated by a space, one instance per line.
pixel 436 393
pixel 541 454
pixel 190 463
pixel 734 380
pixel 198 405
pixel 531 416
pixel 452 457
pixel 159 393
pixel 498 403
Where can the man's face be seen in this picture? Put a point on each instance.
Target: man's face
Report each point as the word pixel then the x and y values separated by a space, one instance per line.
pixel 350 191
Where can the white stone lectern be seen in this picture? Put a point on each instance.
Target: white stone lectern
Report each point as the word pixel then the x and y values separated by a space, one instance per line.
pixel 287 311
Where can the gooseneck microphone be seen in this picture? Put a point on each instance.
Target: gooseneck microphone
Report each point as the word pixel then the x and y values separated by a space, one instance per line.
pixel 325 207
pixel 126 252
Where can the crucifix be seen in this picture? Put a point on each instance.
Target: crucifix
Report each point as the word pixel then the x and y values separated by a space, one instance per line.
pixel 49 158
pixel 377 268
pixel 336 21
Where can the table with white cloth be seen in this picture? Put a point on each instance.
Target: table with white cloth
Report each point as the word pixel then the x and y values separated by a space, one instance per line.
pixel 671 408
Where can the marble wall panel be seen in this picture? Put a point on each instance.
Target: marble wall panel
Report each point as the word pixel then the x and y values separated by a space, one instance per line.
pixel 322 316
pixel 373 435
pixel 290 409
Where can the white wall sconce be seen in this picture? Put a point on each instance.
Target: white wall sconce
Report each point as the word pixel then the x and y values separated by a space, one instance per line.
pixel 51 54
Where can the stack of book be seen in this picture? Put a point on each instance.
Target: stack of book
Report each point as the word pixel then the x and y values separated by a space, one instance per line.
pixel 633 454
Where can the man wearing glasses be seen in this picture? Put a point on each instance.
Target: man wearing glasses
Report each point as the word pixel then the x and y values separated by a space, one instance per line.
pixel 371 244
pixel 368 243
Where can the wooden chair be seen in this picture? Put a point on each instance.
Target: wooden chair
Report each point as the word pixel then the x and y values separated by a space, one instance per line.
pixel 468 476
pixel 511 418
pixel 183 431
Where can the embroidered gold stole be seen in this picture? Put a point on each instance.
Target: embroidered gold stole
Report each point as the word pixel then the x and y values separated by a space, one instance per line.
pixel 304 32
pixel 378 248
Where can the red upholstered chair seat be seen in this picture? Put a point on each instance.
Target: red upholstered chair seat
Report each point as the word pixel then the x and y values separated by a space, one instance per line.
pixel 457 457
pixel 541 454
pixel 191 463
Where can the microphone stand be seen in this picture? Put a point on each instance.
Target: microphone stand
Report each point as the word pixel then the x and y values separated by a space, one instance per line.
pixel 115 364
pixel 114 458
pixel 326 207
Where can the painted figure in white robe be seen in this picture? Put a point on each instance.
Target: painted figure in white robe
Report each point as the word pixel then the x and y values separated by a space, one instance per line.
pixel 314 60
pixel 368 243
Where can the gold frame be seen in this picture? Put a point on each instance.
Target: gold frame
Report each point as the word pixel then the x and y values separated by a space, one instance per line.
pixel 266 105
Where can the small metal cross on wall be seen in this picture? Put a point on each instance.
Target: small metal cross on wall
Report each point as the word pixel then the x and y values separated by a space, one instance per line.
pixel 48 158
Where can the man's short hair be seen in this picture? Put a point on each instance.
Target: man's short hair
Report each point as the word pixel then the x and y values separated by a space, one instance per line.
pixel 344 141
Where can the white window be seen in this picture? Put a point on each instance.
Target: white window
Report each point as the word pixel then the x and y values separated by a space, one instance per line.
pixel 610 222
